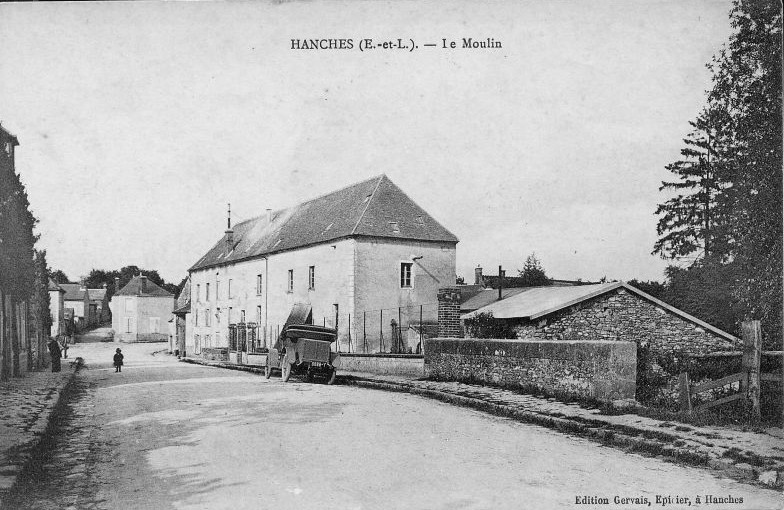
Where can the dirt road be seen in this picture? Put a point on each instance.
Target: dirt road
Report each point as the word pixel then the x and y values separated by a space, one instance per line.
pixel 164 434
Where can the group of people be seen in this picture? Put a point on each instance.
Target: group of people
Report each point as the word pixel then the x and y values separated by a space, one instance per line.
pixel 56 351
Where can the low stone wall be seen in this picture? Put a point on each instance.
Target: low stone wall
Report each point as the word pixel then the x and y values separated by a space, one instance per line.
pixel 388 364
pixel 215 353
pixel 598 369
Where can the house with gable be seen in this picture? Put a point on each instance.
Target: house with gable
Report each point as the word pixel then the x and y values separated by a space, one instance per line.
pixel 614 311
pixel 347 255
pixel 141 311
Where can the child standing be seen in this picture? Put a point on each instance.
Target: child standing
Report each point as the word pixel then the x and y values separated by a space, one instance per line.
pixel 118 360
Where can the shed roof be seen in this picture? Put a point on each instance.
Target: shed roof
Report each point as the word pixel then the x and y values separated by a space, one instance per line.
pixel 73 291
pixel 374 208
pixel 142 286
pixel 487 296
pixel 537 302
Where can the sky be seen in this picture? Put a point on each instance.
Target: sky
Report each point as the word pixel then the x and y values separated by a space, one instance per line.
pixel 138 122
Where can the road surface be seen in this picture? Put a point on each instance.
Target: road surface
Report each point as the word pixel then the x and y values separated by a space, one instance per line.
pixel 163 434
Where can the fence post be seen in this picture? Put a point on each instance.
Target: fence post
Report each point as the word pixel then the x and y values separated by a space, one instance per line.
pixel 752 352
pixel 685 392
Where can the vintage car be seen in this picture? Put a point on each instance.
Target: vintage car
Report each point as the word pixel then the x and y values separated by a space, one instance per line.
pixel 304 349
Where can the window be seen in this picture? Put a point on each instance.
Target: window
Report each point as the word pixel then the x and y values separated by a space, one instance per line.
pixel 207 290
pixel 217 290
pixel 228 318
pixel 196 318
pixel 258 284
pixel 129 324
pixel 291 280
pixel 229 289
pixel 198 292
pixel 155 324
pixel 217 316
pixel 405 274
pixel 312 277
pixel 242 315
pixel 128 304
pixel 258 314
pixel 207 317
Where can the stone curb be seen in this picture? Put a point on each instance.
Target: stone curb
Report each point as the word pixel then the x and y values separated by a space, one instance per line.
pixel 658 444
pixel 10 474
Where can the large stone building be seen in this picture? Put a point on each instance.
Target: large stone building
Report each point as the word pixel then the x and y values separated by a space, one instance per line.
pixel 349 255
pixel 141 311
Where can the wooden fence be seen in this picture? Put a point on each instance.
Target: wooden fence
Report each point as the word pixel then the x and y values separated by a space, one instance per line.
pixel 748 380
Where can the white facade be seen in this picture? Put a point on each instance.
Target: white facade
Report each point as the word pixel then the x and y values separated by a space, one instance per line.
pixel 56 309
pixel 356 277
pixel 141 318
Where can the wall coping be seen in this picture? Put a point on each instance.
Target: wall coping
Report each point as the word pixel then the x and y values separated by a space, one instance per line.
pixel 532 341
pixel 381 355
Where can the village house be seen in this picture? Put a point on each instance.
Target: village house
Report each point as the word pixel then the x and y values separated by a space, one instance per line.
pixel 141 311
pixel 99 312
pixel 56 308
pixel 181 310
pixel 77 299
pixel 347 255
pixel 606 311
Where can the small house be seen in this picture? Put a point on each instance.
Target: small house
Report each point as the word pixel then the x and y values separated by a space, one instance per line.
pixel 141 311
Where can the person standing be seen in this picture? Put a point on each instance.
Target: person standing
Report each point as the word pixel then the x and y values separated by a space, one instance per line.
pixel 55 353
pixel 118 360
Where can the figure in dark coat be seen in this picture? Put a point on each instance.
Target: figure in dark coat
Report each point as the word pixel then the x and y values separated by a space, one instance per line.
pixel 55 353
pixel 118 360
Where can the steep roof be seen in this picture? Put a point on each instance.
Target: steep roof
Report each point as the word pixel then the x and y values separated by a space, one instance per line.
pixel 536 302
pixel 183 303
pixel 54 286
pixel 374 208
pixel 142 286
pixel 73 291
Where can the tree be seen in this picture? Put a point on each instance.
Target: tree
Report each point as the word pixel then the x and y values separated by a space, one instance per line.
pixel 729 216
pixel 532 273
pixel 697 217
pixel 98 277
pixel 17 270
pixel 58 276
pixel 653 288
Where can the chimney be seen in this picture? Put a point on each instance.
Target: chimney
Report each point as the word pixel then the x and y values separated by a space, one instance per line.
pixel 104 285
pixel 229 233
pixel 269 216
pixel 478 280
pixel 116 284
pixel 144 283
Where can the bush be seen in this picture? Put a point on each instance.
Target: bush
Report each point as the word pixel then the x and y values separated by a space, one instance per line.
pixel 484 325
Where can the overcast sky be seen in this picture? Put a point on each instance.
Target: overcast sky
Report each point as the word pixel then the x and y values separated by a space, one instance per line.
pixel 138 122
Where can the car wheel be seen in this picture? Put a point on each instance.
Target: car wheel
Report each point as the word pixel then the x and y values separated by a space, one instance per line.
pixel 285 371
pixel 331 376
pixel 267 371
pixel 309 376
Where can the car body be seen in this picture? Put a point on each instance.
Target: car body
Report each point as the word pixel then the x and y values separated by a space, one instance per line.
pixel 304 349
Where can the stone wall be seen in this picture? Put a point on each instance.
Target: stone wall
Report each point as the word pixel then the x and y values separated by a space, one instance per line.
pixel 621 315
pixel 389 364
pixel 602 370
pixel 215 353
